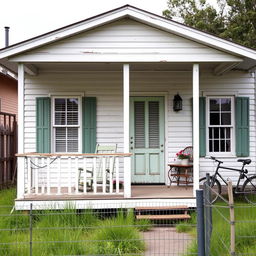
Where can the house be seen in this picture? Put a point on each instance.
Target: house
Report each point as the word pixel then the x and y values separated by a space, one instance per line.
pixel 111 79
pixel 8 126
pixel 8 92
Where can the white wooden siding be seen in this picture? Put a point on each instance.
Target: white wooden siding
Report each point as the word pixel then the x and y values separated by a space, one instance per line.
pixel 125 40
pixel 107 87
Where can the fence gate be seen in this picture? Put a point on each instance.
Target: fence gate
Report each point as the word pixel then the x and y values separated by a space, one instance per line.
pixel 8 149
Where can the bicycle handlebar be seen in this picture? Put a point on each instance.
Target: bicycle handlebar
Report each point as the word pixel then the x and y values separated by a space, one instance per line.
pixel 216 160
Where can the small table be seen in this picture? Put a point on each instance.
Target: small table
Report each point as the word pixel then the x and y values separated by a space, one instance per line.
pixel 178 171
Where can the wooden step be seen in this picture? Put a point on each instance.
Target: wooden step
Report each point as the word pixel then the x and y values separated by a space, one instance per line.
pixel 164 217
pixel 161 208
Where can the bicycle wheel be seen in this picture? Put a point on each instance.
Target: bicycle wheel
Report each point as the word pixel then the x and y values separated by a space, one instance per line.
pixel 215 188
pixel 249 190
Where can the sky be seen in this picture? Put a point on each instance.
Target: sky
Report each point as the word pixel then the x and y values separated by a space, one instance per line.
pixel 29 18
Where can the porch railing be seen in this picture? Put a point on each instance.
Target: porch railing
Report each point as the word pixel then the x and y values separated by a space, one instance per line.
pixel 73 174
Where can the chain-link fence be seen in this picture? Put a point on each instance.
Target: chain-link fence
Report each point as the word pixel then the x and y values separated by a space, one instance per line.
pixel 142 230
pixel 230 225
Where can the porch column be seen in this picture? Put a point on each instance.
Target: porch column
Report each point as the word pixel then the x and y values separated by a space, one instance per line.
pixel 126 125
pixel 195 127
pixel 20 160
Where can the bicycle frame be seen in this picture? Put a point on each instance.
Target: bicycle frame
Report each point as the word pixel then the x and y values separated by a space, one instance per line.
pixel 241 176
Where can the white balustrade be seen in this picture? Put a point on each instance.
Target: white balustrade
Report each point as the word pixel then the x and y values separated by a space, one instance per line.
pixel 74 174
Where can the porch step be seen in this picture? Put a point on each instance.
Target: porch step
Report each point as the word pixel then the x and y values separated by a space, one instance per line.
pixel 179 212
pixel 164 217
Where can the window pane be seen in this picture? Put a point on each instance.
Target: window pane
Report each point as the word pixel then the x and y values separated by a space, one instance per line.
pixel 72 145
pixel 72 118
pixel 214 105
pixel 72 104
pixel 72 133
pixel 60 118
pixel 228 133
pixel 216 146
pixel 226 104
pixel 216 133
pixel 60 104
pixel 226 118
pixel 210 146
pixel 210 133
pixel 60 135
pixel 222 133
pixel 214 118
pixel 222 145
pixel 228 146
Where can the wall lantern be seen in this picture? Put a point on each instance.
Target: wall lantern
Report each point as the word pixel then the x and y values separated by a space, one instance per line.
pixel 177 103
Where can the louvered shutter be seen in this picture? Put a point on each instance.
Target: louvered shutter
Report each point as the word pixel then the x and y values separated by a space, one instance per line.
pixel 43 125
pixel 89 124
pixel 202 126
pixel 153 108
pixel 139 111
pixel 242 126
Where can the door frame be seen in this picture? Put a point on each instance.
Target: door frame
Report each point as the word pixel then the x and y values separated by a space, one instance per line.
pixel 166 109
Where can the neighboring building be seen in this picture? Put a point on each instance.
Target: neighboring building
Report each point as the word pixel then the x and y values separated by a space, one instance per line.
pixel 111 79
pixel 8 94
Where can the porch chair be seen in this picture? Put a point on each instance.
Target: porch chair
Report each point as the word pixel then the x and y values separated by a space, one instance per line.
pixel 189 150
pixel 109 168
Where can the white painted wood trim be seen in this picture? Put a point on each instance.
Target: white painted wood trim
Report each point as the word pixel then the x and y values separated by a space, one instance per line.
pixel 31 69
pixel 195 127
pixel 20 161
pixel 106 204
pixel 126 125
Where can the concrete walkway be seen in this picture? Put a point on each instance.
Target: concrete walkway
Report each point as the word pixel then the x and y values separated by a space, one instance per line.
pixel 166 241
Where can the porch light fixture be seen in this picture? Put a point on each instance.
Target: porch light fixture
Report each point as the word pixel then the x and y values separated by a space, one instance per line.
pixel 177 103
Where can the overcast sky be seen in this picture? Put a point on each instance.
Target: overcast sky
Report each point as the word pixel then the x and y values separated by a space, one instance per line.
pixel 29 18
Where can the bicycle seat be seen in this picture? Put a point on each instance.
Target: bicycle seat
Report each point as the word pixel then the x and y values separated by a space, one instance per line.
pixel 244 161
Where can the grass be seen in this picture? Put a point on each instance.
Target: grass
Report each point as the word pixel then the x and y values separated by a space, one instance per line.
pixel 69 232
pixel 245 226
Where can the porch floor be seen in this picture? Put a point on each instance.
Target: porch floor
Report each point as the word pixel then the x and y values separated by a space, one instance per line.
pixel 138 192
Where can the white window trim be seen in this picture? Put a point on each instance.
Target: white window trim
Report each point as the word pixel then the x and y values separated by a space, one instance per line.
pixel 65 96
pixel 232 153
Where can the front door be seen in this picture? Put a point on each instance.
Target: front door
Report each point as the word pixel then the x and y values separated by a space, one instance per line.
pixel 147 139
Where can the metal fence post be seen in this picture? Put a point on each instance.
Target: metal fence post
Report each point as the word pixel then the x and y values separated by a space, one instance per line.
pixel 30 229
pixel 200 222
pixel 208 214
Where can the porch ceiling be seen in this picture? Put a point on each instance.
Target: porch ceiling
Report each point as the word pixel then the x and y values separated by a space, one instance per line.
pixel 83 67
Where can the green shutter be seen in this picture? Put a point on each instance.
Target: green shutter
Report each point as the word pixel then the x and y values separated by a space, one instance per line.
pixel 43 125
pixel 242 126
pixel 89 124
pixel 202 126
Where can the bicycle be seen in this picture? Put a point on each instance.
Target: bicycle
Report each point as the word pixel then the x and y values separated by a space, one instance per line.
pixel 248 189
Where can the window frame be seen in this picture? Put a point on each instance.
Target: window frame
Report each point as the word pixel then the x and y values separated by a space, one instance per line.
pixel 79 126
pixel 232 126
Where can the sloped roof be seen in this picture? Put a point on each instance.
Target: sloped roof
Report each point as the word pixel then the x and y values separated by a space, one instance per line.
pixel 140 15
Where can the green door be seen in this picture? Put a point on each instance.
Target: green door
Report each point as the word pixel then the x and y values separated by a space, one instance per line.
pixel 147 139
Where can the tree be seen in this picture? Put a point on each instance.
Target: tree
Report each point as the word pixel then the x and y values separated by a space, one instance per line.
pixel 234 20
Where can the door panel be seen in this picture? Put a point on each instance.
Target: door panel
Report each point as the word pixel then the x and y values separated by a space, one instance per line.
pixel 147 139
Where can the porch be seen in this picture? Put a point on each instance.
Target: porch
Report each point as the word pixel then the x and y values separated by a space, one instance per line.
pixel 138 192
pixel 59 177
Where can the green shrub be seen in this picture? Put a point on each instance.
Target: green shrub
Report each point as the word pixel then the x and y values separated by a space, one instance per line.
pixel 183 227
pixel 143 225
pixel 118 236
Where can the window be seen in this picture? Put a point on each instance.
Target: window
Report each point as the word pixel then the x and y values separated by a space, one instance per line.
pixel 220 125
pixel 66 125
